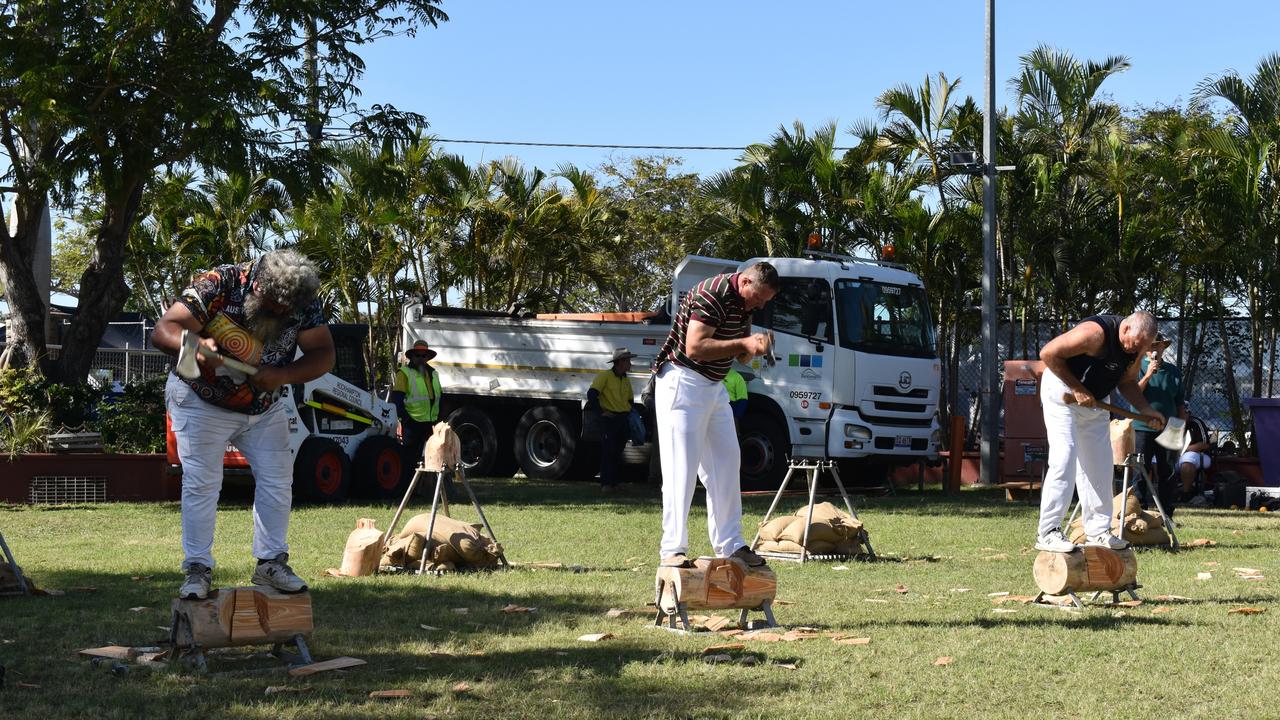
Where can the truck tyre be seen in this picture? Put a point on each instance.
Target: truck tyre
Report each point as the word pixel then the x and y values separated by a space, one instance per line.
pixel 545 443
pixel 478 438
pixel 765 447
pixel 377 472
pixel 321 472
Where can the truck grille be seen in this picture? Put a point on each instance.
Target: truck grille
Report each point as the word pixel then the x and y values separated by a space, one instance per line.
pixel 891 391
pixel 900 407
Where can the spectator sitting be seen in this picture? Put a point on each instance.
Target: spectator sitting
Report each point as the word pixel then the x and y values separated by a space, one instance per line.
pixel 1197 456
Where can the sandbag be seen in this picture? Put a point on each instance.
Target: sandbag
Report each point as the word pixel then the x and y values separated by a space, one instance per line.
pixel 832 531
pixel 453 542
pixel 1141 527
pixel 442 450
pixel 773 529
pixel 363 551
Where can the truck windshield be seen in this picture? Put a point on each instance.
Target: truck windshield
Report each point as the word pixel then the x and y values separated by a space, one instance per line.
pixel 884 318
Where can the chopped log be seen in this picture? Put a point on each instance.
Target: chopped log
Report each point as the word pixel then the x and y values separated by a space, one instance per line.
pixel 363 551
pixel 339 663
pixel 244 616
pixel 714 584
pixel 1087 569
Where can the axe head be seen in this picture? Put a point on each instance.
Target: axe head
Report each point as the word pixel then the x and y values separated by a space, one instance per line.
pixel 186 366
pixel 1174 434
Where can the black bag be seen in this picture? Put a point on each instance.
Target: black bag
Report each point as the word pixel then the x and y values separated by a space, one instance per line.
pixel 1228 490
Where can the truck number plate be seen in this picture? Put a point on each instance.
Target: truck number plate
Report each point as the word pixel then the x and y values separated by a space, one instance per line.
pixel 805 395
pixel 902 441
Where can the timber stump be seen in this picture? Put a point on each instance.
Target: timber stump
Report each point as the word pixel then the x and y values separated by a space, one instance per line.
pixel 714 584
pixel 1086 569
pixel 242 616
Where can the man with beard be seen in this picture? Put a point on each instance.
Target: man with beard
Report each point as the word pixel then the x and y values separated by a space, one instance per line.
pixel 262 313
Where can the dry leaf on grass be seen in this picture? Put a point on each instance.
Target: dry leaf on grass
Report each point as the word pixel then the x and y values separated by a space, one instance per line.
pixel 1206 542
pixel 1246 611
pixel 1204 576
pixel 596 637
pixel 514 608
pixel 461 688
pixel 1161 609
pixel 944 660
pixel 333 572
pixel 397 694
pixel 900 588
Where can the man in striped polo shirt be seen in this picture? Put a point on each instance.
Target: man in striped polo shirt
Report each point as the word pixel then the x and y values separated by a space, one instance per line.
pixel 695 423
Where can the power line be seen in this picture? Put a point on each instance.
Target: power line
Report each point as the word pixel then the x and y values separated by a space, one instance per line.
pixel 606 146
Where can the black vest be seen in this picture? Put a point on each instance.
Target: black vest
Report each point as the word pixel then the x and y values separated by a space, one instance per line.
pixel 1101 374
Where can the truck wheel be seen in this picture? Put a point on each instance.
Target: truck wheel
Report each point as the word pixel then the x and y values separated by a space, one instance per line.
pixel 321 472
pixel 377 471
pixel 478 439
pixel 765 446
pixel 545 442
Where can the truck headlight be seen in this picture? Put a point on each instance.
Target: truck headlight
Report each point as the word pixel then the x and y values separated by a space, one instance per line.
pixel 857 431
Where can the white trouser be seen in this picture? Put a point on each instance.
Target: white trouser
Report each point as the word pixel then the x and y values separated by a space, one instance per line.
pixel 1079 457
pixel 697 437
pixel 203 431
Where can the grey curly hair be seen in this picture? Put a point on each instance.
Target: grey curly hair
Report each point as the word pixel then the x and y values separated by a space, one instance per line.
pixel 288 277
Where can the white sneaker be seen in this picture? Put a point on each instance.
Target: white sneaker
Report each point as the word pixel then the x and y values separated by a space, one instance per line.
pixel 1054 541
pixel 196 585
pixel 1106 540
pixel 276 573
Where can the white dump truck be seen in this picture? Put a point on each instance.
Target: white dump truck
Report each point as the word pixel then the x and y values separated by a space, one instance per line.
pixel 853 375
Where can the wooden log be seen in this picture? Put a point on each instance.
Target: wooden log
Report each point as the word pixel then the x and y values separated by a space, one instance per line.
pixel 364 549
pixel 244 616
pixel 714 584
pixel 1087 569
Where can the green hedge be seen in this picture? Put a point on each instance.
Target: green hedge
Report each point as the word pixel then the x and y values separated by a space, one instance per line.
pixel 130 422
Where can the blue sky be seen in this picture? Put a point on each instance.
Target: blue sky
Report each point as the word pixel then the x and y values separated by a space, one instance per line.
pixel 721 72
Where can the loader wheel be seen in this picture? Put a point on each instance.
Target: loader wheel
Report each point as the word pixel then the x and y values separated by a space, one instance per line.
pixel 378 469
pixel 478 438
pixel 321 472
pixel 545 443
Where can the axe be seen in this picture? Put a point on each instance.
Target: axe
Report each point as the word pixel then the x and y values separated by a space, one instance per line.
pixel 187 367
pixel 1173 436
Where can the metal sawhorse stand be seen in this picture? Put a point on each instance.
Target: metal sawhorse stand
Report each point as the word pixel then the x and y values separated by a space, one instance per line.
pixel 21 588
pixel 1132 465
pixel 813 468
pixel 438 500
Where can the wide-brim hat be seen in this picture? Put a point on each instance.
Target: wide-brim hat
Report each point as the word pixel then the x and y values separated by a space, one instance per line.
pixel 421 346
pixel 621 354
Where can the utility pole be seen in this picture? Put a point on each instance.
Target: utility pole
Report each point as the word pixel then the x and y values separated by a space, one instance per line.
pixel 990 374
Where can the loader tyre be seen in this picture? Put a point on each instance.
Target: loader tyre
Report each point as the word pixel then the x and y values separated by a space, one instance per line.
pixel 546 440
pixel 765 447
pixel 478 439
pixel 378 470
pixel 321 472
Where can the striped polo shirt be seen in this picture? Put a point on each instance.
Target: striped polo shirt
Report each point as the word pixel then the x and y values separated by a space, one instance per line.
pixel 715 302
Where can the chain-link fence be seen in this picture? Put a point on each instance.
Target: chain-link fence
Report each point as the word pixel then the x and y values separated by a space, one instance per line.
pixel 1197 349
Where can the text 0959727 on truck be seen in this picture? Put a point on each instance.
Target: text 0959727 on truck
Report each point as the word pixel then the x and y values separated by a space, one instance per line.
pixel 853 375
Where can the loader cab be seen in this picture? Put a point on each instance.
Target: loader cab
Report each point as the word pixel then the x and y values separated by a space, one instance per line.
pixel 350 341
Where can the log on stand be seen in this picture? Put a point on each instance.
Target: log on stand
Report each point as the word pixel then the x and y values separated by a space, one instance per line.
pixel 714 584
pixel 1086 569
pixel 242 616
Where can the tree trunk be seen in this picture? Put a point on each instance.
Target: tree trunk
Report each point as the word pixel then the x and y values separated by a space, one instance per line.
pixel 26 340
pixel 103 291
pixel 1233 393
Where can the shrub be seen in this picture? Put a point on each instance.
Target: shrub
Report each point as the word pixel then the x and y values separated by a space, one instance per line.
pixel 133 421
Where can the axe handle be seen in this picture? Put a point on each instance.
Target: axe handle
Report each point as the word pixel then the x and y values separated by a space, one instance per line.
pixel 230 362
pixel 1070 399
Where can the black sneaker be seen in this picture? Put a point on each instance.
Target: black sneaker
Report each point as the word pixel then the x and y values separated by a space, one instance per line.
pixel 276 573
pixel 745 554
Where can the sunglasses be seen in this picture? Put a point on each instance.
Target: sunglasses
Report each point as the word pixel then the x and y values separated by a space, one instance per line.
pixel 418 354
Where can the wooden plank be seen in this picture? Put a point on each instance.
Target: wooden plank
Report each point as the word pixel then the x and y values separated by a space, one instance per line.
pixel 334 664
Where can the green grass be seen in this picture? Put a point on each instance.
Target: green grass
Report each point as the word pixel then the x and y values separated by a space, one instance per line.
pixel 1194 660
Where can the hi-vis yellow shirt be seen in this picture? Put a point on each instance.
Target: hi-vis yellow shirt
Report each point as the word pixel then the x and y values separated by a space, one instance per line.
pixel 616 394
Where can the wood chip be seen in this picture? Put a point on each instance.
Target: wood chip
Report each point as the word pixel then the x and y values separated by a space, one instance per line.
pixel 1003 611
pixel 852 641
pixel 398 694
pixel 1206 542
pixel 944 660
pixel 761 636
pixel 787 665
pixel 727 647
pixel 1129 603
pixel 959 590
pixel 1204 576
pixel 338 663
pixel 782 602
pixel 617 613
pixel 428 627
pixel 513 608
pixel 1161 609
pixel 840 567
pixel 545 566
pixel 595 637
pixel 1171 598
pixel 115 652
pixel 461 687
pixel 461 611
pixel 998 594
pixel 900 588
pixel 1246 611
pixel 282 689
pixel 140 608
pixel 333 572
pixel 794 635
pixel 1024 599
pixel 731 632
pixel 26 685
pixel 999 556
pixel 876 600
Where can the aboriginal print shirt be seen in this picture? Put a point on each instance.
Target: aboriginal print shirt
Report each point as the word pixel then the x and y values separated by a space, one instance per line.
pixel 216 299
